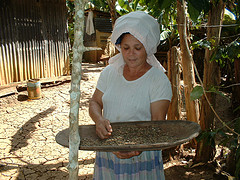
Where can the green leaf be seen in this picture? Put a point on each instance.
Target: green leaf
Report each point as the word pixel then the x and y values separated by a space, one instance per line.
pixel 229 52
pixel 196 93
pixel 199 5
pixel 212 142
pixel 201 44
pixel 202 136
pixel 125 5
pixel 233 49
pixel 165 35
pixel 135 5
pixel 163 4
pixel 236 109
pixel 193 12
pixel 223 134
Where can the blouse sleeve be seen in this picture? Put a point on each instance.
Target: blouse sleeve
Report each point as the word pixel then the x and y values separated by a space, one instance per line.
pixel 160 88
pixel 103 79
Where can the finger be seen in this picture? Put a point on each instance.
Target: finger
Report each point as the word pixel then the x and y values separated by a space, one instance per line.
pixel 106 133
pixel 137 153
pixel 129 154
pixel 118 154
pixel 123 155
pixel 115 152
pixel 109 127
pixel 102 135
pixel 102 132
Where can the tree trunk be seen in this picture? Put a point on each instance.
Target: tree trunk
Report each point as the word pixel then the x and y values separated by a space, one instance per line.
pixel 78 49
pixel 113 12
pixel 211 77
pixel 192 107
pixel 174 111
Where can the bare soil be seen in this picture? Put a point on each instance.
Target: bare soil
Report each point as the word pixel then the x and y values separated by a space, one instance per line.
pixel 178 162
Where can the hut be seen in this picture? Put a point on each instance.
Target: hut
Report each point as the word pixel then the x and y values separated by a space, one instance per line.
pixel 98 35
pixel 34 40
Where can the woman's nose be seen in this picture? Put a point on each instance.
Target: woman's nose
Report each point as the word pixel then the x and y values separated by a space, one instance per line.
pixel 131 51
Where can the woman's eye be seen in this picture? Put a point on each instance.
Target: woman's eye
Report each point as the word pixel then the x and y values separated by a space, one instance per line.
pixel 138 48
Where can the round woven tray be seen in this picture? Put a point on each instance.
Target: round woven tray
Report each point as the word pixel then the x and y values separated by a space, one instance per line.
pixel 138 135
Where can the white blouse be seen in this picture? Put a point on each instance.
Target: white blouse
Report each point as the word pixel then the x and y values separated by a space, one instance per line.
pixel 130 100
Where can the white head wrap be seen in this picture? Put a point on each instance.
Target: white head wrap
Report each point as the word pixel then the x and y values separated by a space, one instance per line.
pixel 143 27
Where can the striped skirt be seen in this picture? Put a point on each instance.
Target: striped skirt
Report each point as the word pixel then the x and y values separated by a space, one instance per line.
pixel 148 165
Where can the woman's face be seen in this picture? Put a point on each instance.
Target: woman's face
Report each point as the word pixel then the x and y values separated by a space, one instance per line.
pixel 133 51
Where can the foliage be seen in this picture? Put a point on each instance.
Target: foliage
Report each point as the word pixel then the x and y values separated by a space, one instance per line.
pixel 198 92
pixel 209 136
pixel 229 49
pixel 201 44
pixel 228 52
pixel 130 6
pixel 223 53
pixel 228 139
pixel 196 7
pixel 100 5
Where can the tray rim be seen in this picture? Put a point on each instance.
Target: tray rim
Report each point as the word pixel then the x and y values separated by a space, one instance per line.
pixel 141 147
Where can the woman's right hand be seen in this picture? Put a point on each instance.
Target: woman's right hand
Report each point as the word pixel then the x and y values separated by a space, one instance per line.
pixel 103 128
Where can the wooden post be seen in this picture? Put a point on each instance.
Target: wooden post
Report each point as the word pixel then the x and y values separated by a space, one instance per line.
pixel 174 64
pixel 78 49
pixel 192 107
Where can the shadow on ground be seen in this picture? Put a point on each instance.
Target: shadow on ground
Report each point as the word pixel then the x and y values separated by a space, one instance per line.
pixel 24 132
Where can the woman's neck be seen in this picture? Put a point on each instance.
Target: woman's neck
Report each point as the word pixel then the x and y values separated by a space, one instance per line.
pixel 133 73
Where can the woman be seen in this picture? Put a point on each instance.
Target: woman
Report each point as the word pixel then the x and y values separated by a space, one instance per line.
pixel 132 88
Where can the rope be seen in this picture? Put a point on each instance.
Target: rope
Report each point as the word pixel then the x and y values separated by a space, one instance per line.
pixel 206 26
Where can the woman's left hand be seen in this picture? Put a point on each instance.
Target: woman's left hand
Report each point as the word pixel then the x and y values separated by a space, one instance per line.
pixel 126 154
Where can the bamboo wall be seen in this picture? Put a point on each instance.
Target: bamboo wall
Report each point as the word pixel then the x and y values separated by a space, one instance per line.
pixel 33 40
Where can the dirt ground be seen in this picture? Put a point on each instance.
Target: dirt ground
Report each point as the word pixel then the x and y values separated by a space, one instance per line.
pixel 18 114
